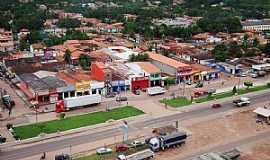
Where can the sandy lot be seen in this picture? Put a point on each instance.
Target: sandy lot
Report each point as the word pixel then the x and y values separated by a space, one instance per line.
pixel 218 131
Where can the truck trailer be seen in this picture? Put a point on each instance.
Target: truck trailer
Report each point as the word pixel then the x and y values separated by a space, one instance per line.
pixel 74 102
pixel 141 155
pixel 166 141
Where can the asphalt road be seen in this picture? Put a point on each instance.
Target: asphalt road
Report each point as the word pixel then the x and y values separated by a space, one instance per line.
pixel 91 137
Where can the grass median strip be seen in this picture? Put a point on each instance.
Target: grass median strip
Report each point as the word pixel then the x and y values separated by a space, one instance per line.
pixel 183 101
pixel 177 102
pixel 33 130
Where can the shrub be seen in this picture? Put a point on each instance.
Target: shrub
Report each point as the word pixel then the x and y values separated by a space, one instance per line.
pixel 248 84
pixel 62 115
pixel 9 126
pixel 268 84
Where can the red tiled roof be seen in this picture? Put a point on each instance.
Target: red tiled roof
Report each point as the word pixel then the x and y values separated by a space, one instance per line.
pixel 148 67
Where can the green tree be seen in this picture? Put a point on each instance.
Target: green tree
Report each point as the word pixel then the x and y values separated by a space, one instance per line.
pixel 220 52
pixel 245 41
pixel 68 23
pixel 84 61
pixel 234 50
pixel 256 43
pixel 266 49
pixel 67 56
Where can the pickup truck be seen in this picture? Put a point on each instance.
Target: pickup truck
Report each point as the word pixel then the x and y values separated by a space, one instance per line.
pixel 243 101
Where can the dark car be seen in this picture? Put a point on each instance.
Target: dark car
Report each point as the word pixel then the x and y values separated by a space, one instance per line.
pixel 216 105
pixel 63 157
pixel 137 92
pixel 121 147
pixel 199 85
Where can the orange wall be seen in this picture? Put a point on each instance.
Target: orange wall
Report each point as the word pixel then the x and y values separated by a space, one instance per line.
pixel 97 73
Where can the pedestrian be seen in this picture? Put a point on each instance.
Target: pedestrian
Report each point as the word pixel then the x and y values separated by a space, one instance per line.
pixel 43 156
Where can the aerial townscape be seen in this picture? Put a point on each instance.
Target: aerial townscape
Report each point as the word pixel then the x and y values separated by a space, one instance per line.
pixel 134 79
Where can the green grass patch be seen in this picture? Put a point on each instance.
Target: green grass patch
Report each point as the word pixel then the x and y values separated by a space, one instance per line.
pixel 230 93
pixel 177 102
pixel 33 130
pixel 183 101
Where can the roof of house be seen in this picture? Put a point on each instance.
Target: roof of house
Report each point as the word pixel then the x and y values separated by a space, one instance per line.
pixel 45 83
pixel 166 60
pixel 262 111
pixel 37 46
pixel 202 68
pixel 148 67
pixel 72 77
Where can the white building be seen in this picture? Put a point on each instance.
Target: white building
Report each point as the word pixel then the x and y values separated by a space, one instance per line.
pixel 119 53
pixel 256 25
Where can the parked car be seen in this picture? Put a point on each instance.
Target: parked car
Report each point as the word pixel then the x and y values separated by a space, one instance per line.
pixel 121 147
pixel 137 92
pixel 119 99
pixel 111 95
pixel 188 82
pixel 137 143
pixel 2 139
pixel 254 75
pixel 104 150
pixel 216 105
pixel 63 157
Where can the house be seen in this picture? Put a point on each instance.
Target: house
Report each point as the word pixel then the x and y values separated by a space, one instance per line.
pixel 37 49
pixel 230 67
pixel 171 67
pixel 256 25
pixel 114 75
pixel 205 73
pixel 119 53
pixel 6 41
pixel 23 33
pixel 40 86
pixel 183 22
pixel 196 56
pixel 152 72
pixel 139 80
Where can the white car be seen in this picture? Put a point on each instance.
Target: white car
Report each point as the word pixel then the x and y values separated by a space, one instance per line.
pixel 104 150
pixel 137 143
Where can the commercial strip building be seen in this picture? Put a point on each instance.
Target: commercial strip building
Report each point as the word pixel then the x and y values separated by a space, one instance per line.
pixel 181 71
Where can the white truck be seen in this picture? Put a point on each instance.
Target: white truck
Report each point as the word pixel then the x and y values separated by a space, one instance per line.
pixel 155 91
pixel 243 101
pixel 141 155
pixel 74 102
pixel 166 141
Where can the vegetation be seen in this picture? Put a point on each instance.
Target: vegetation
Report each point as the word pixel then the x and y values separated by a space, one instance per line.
pixel 169 81
pixel 177 102
pixel 67 56
pixel 138 57
pixel 33 130
pixel 68 23
pixel 183 101
pixel 84 61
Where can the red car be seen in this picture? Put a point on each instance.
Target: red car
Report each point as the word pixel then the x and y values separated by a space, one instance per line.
pixel 216 105
pixel 121 147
